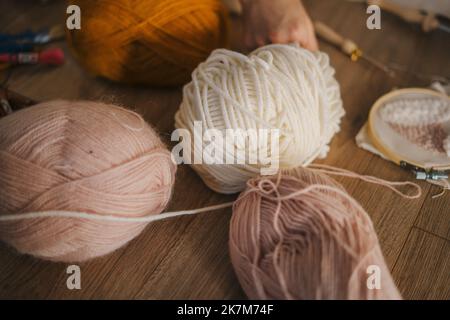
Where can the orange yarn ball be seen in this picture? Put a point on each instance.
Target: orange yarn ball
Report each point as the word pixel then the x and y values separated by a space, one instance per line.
pixel 79 157
pixel 153 42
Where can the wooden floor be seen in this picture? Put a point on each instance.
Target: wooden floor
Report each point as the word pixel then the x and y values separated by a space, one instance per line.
pixel 187 257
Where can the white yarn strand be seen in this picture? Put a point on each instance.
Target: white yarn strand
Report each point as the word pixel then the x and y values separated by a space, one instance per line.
pixel 110 218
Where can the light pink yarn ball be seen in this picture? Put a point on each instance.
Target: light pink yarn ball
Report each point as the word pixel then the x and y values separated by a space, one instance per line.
pixel 80 157
pixel 301 236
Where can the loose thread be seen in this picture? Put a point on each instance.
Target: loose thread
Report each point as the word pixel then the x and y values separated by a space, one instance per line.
pixel 444 184
pixel 266 193
pixel 111 218
pixel 370 179
pixel 133 114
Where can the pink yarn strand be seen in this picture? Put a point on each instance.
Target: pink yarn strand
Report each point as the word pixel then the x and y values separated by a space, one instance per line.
pixel 370 179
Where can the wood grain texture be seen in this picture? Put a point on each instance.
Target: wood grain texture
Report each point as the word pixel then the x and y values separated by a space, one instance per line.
pixel 435 216
pixel 423 268
pixel 187 257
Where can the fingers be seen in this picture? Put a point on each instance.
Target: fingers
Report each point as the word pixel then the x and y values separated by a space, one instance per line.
pixel 248 41
pixel 280 37
pixel 277 23
pixel 314 44
pixel 300 33
pixel 306 38
pixel 252 42
pixel 253 36
pixel 260 41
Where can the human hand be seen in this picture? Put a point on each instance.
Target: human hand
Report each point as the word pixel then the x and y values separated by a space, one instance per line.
pixel 280 21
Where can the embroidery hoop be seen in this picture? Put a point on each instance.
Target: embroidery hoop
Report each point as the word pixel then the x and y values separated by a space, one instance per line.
pixel 423 170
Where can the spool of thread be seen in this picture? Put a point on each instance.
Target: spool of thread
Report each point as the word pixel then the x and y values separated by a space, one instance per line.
pixel 299 235
pixel 27 41
pixel 53 56
pixel 87 157
pixel 152 42
pixel 37 38
pixel 281 87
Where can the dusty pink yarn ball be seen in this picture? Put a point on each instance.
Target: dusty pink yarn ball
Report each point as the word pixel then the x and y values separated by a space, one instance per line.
pixel 299 235
pixel 79 157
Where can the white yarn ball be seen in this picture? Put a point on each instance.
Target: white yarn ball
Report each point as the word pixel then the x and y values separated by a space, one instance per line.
pixel 275 87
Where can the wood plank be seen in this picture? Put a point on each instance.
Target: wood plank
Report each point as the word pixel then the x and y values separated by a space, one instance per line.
pixel 435 215
pixel 422 270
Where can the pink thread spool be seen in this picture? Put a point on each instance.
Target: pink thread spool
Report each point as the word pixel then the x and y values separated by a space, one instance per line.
pixel 53 57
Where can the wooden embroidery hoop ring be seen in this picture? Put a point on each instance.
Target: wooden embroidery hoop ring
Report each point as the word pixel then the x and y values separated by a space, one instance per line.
pixel 383 147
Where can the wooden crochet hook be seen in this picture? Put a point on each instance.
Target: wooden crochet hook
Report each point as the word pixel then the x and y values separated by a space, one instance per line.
pixel 428 21
pixel 11 101
pixel 347 46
